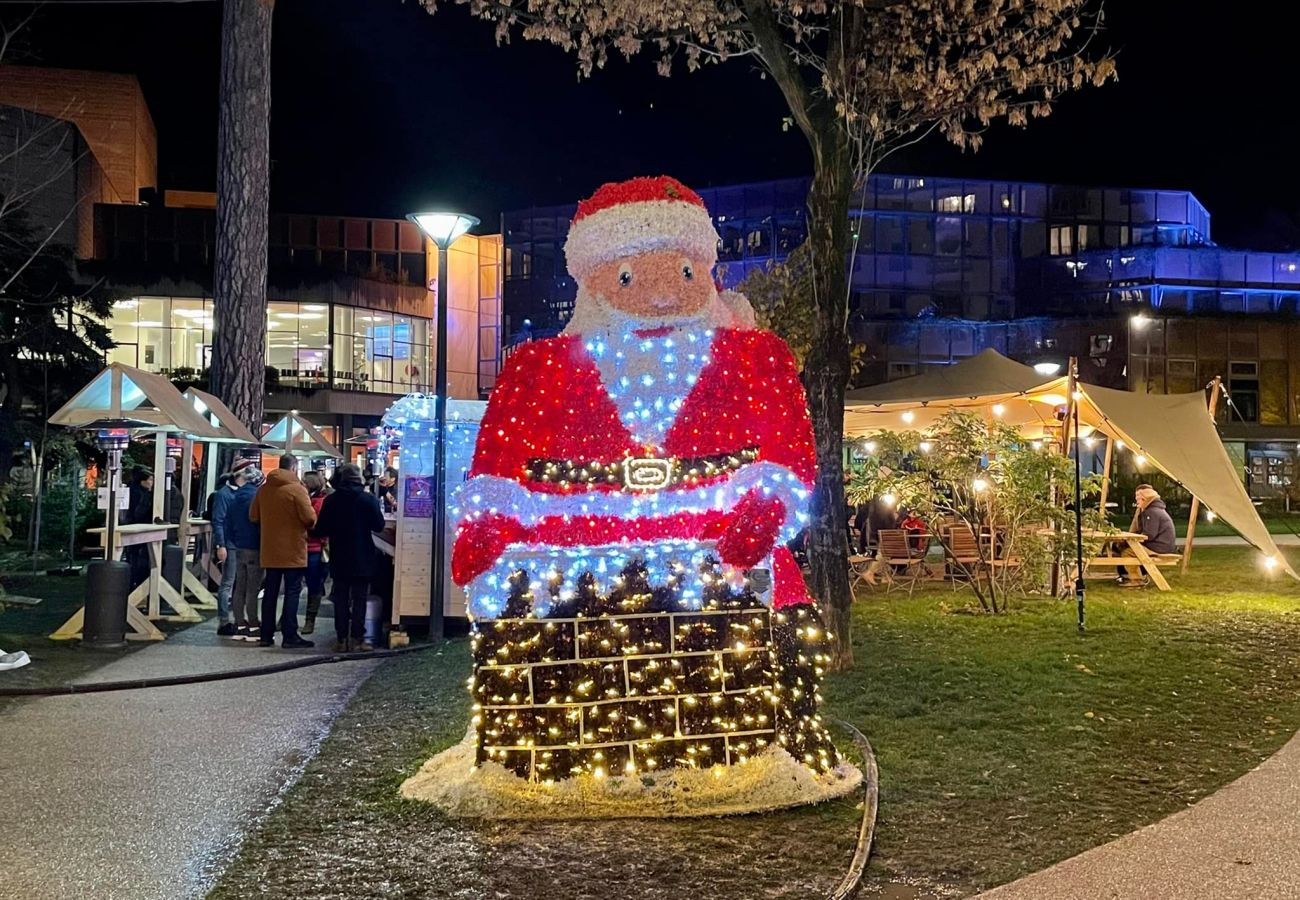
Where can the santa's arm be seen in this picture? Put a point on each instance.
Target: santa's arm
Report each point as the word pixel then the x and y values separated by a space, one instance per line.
pixel 772 494
pixel 486 510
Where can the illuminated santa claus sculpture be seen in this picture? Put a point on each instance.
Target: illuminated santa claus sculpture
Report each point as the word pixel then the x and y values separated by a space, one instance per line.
pixel 622 535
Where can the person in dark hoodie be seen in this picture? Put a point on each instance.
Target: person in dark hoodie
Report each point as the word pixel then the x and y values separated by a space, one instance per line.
pixel 349 518
pixel 1153 520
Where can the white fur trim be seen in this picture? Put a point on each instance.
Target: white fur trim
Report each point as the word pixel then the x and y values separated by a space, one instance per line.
pixel 630 229
pixel 742 313
pixel 487 494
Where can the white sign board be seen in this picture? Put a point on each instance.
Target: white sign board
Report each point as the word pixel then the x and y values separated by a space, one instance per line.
pixel 123 499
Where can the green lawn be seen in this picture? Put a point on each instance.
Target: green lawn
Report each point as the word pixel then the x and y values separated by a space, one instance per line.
pixel 1004 743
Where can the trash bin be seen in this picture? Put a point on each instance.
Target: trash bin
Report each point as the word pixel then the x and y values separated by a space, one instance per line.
pixel 108 583
pixel 173 561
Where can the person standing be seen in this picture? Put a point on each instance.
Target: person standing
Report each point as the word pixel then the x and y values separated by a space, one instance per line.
pixel 317 567
pixel 139 512
pixel 386 487
pixel 223 551
pixel 283 510
pixel 244 538
pixel 348 519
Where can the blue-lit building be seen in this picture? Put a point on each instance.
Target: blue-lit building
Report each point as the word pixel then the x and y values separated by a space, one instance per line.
pixel 1128 280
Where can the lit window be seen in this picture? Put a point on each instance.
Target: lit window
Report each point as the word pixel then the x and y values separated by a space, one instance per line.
pixel 1061 240
pixel 957 203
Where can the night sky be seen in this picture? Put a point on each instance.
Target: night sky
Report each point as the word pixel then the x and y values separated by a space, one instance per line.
pixel 379 108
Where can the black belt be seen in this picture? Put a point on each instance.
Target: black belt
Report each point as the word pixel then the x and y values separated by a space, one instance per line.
pixel 639 473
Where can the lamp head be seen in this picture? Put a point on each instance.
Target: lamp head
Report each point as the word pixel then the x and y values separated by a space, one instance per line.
pixel 443 227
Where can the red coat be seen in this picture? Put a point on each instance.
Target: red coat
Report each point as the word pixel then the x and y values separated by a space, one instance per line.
pixel 551 404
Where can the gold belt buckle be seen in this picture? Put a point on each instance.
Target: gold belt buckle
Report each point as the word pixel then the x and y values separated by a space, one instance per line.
pixel 647 473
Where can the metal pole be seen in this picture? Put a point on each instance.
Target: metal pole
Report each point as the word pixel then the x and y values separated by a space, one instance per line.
pixel 114 466
pixel 1079 588
pixel 438 575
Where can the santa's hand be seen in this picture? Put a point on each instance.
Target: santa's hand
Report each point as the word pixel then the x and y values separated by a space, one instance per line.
pixel 480 543
pixel 752 531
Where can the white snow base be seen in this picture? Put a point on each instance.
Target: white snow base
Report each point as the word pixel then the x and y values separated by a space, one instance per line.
pixel 772 780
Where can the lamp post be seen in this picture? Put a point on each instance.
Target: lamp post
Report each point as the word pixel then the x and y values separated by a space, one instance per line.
pixel 443 228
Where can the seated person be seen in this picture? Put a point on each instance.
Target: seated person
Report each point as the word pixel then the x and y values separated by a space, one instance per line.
pixel 916 529
pixel 1154 522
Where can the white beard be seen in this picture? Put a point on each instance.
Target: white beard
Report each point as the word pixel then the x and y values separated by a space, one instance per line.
pixel 592 314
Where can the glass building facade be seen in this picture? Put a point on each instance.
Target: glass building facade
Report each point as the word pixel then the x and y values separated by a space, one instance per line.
pixel 923 246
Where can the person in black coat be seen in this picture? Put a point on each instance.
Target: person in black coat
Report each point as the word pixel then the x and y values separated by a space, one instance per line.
pixel 348 519
pixel 139 512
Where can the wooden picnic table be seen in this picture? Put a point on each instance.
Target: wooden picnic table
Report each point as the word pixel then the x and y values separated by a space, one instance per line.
pixel 1134 542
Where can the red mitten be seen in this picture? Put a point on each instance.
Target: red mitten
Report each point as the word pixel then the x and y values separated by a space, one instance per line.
pixel 752 530
pixel 479 545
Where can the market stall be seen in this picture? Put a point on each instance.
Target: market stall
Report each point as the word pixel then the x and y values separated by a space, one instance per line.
pixel 125 398
pixel 411 420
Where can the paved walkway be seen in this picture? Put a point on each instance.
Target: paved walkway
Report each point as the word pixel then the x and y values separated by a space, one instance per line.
pixel 147 794
pixel 1237 844
pixel 1232 540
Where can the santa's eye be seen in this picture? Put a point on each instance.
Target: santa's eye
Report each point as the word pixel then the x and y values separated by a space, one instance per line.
pixel 624 276
pixel 688 271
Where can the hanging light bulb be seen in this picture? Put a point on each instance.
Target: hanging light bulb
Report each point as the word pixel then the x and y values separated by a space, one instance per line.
pixel 925 446
pixel 1140 460
pixel 998 409
pixel 979 485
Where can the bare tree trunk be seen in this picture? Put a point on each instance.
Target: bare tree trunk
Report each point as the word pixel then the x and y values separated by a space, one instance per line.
pixel 243 189
pixel 826 375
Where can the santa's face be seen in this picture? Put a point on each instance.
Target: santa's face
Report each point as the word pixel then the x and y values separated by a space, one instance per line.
pixel 660 286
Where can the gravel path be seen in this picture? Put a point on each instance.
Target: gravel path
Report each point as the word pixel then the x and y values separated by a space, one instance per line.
pixel 146 794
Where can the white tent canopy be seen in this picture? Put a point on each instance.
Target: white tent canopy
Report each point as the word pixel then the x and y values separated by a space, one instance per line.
pixel 1173 431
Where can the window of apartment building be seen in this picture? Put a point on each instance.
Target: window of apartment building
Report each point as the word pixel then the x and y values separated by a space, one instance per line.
pixel 957 203
pixel 901 370
pixel 1180 376
pixel 1117 236
pixel 298 342
pixel 375 350
pixel 1243 387
pixel 161 334
pixel 948 236
pixel 1060 240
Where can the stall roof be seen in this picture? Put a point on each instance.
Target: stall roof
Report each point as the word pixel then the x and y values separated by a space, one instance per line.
pixel 220 417
pixel 125 392
pixel 294 434
pixel 1175 432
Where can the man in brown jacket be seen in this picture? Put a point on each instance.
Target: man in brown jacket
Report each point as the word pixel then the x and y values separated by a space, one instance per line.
pixel 283 510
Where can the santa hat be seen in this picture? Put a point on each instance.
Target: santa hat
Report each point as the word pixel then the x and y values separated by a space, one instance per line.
pixel 628 218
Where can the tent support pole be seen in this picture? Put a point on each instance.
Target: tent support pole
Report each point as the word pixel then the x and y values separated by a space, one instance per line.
pixel 1080 588
pixel 1196 501
pixel 1105 475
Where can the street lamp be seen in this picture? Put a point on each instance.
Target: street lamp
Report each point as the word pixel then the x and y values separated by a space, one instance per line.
pixel 442 228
